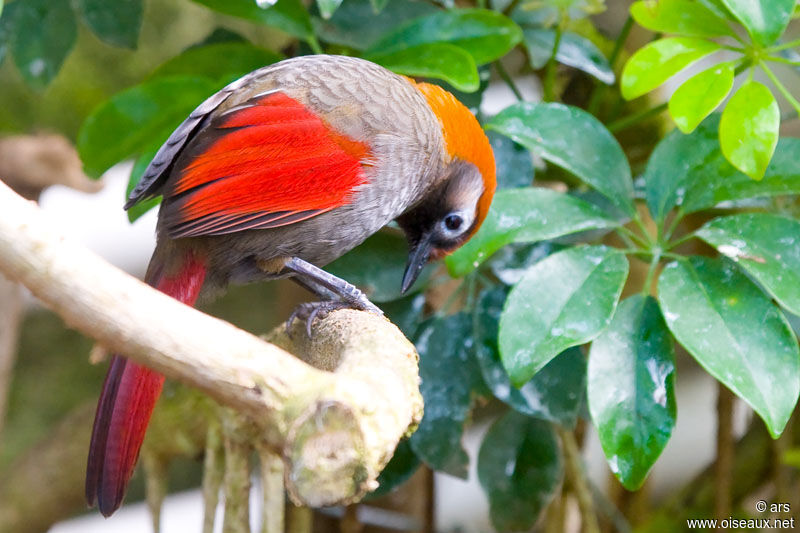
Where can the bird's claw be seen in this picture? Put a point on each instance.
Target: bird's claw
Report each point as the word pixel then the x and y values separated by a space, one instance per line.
pixel 309 312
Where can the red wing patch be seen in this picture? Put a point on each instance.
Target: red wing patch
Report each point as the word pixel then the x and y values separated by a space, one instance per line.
pixel 274 162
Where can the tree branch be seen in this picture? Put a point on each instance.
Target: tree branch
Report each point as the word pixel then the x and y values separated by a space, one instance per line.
pixel 336 427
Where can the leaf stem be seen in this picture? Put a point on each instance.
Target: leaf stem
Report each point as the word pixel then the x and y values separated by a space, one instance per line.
pixel 314 44
pixel 550 73
pixel 783 46
pixel 600 89
pixel 639 240
pixel 673 224
pixel 783 60
pixel 775 81
pixel 676 243
pixel 636 118
pixel 578 479
pixel 648 281
pixel 510 8
pixel 503 73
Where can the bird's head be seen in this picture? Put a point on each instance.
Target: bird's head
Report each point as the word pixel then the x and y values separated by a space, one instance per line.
pixel 454 210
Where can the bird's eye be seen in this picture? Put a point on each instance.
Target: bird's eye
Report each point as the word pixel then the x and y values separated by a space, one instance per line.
pixel 453 222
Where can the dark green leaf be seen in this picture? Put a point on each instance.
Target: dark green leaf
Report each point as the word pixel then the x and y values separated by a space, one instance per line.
pixel 574 140
pixel 485 34
pixel 748 129
pixel 378 5
pixel 700 95
pixel 717 181
pixel 514 163
pixel 126 124
pixel 674 164
pixel 42 33
pixel 735 332
pixel 356 25
pixel 555 393
pixel 435 60
pixel 573 50
pixel 681 17
pixel 328 7
pixel 406 313
pixel 377 266
pixel 519 468
pixel 448 374
pixel 765 20
pixel 564 300
pixel 766 246
pixel 511 262
pixel 116 22
pixel 631 389
pixel 401 466
pixel 527 214
pixel 224 62
pixel 655 63
pixel 6 28
pixel 288 15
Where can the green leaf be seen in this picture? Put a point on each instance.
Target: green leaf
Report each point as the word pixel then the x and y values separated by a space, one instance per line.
pixel 766 246
pixel 655 63
pixel 681 17
pixel 564 300
pixel 573 50
pixel 675 162
pixel 513 162
pixel 700 95
pixel 224 61
pixel 485 34
pixel 631 389
pixel 448 376
pixel 328 7
pixel 401 466
pixel 126 124
pixel 748 129
pixel 6 29
pixel 555 393
pixel 765 20
pixel 406 313
pixel 287 15
pixel 435 60
pixel 378 5
pixel 735 332
pixel 115 22
pixel 377 266
pixel 356 25
pixel 41 35
pixel 527 214
pixel 519 468
pixel 574 140
pixel 139 166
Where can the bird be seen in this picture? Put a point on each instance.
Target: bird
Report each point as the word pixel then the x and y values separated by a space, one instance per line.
pixel 278 174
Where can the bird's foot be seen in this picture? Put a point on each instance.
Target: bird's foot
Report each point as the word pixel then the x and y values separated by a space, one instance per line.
pixel 309 312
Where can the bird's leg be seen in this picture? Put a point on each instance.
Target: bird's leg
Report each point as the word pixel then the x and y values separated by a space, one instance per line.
pixel 322 284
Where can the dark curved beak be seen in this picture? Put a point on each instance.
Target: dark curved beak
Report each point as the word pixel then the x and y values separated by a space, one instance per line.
pixel 417 259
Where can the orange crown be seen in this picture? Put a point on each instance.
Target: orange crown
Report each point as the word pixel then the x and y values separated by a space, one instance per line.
pixel 464 139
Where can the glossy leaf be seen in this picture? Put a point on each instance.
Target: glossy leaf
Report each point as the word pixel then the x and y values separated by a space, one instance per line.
pixel 735 332
pixel 700 95
pixel 573 50
pixel 564 300
pixel 655 63
pixel 555 393
pixel 401 466
pixel 328 7
pixel 631 389
pixel 377 265
pixel 527 214
pixel 574 140
pixel 674 163
pixel 126 124
pixel 680 17
pixel 519 468
pixel 765 20
pixel 224 61
pixel 288 15
pixel 511 262
pixel 748 129
pixel 448 375
pixel 406 313
pixel 435 60
pixel 41 34
pixel 513 162
pixel 766 246
pixel 717 181
pixel 485 34
pixel 115 22
pixel 356 25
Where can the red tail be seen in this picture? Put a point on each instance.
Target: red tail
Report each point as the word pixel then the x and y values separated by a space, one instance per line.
pixel 129 394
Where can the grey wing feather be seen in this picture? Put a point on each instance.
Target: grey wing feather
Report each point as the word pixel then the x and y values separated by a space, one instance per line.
pixel 159 167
